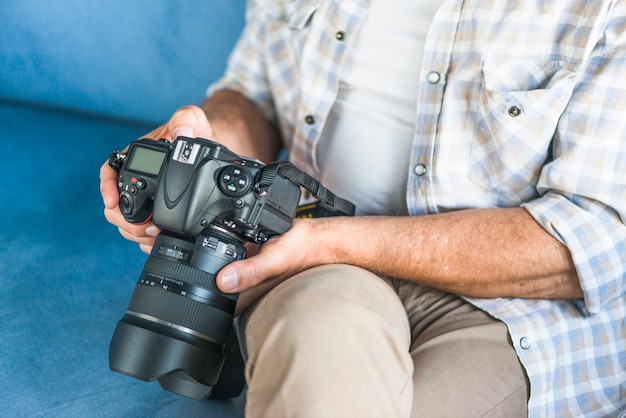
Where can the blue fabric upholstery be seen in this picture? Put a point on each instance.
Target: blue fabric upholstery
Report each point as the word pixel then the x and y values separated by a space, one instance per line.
pixel 139 59
pixel 77 81
pixel 67 276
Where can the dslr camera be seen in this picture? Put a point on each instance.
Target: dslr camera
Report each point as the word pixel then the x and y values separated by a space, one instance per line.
pixel 208 201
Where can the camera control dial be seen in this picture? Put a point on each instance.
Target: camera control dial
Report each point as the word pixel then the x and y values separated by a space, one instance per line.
pixel 126 203
pixel 235 181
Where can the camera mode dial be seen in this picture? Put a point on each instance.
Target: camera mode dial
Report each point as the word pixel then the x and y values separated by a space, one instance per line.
pixel 235 181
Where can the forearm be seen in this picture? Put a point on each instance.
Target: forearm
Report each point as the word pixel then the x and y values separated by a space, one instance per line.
pixel 479 253
pixel 241 127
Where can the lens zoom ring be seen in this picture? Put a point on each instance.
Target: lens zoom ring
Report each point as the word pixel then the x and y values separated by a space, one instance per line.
pixel 179 310
pixel 180 271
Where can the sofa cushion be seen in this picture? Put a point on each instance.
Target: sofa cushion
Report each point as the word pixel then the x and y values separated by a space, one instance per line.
pixel 66 276
pixel 136 59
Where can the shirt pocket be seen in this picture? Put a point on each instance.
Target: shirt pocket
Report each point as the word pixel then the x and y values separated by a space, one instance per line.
pixel 519 107
pixel 287 29
pixel 289 23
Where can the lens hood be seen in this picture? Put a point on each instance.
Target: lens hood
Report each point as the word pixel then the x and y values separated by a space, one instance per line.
pixel 182 363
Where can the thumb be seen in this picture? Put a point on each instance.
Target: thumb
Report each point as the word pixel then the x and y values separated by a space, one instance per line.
pixel 239 276
pixel 190 121
pixel 183 131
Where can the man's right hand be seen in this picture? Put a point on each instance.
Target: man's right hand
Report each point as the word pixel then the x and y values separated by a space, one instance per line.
pixel 187 121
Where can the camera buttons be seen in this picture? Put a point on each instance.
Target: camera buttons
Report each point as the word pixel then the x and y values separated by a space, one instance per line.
pixel 126 203
pixel 235 181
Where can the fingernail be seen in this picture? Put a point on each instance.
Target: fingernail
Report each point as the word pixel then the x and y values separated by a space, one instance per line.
pixel 152 231
pixel 183 131
pixel 230 279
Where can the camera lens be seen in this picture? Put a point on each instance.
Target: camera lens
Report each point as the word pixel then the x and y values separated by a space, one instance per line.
pixel 177 320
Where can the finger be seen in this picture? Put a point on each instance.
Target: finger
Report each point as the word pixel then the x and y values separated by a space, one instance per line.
pixel 145 230
pixel 277 259
pixel 250 272
pixel 139 239
pixel 108 186
pixel 146 248
pixel 239 276
pixel 145 233
pixel 189 121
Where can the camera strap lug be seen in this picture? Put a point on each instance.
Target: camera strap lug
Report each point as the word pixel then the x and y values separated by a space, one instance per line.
pixel 300 178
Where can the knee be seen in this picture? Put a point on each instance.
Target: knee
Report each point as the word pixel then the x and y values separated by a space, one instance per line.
pixel 331 324
pixel 329 306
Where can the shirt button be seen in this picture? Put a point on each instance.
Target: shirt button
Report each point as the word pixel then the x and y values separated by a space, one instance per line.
pixel 309 119
pixel 524 342
pixel 514 111
pixel 420 170
pixel 433 77
pixel 340 36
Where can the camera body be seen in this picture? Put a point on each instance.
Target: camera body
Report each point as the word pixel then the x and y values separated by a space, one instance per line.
pixel 208 201
pixel 138 172
pixel 193 183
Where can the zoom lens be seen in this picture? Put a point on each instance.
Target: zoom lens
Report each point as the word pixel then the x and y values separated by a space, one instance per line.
pixel 177 320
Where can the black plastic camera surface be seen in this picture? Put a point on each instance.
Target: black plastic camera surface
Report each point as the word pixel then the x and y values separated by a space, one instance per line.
pixel 138 176
pixel 192 183
pixel 204 183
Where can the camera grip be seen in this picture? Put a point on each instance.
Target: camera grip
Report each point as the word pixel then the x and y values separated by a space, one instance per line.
pixel 132 213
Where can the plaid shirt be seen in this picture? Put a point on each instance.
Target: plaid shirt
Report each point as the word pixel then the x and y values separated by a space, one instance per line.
pixel 521 103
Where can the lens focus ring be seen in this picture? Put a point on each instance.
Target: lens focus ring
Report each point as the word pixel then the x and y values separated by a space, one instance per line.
pixel 196 303
pixel 179 310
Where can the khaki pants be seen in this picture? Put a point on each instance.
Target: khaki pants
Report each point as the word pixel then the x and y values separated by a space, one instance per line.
pixel 339 341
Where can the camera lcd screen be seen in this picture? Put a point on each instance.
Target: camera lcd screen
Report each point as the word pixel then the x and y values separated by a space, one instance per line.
pixel 146 160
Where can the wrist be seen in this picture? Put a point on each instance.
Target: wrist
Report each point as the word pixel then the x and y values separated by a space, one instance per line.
pixel 327 243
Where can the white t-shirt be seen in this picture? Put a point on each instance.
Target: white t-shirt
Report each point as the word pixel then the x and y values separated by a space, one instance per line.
pixel 364 149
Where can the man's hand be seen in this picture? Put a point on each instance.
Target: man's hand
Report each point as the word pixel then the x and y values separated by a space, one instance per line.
pixel 278 259
pixel 226 117
pixel 446 251
pixel 187 121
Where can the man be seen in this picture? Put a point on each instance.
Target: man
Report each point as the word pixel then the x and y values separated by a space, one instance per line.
pixel 483 144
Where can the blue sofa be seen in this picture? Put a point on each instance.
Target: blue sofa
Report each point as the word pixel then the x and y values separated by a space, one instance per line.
pixel 78 80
